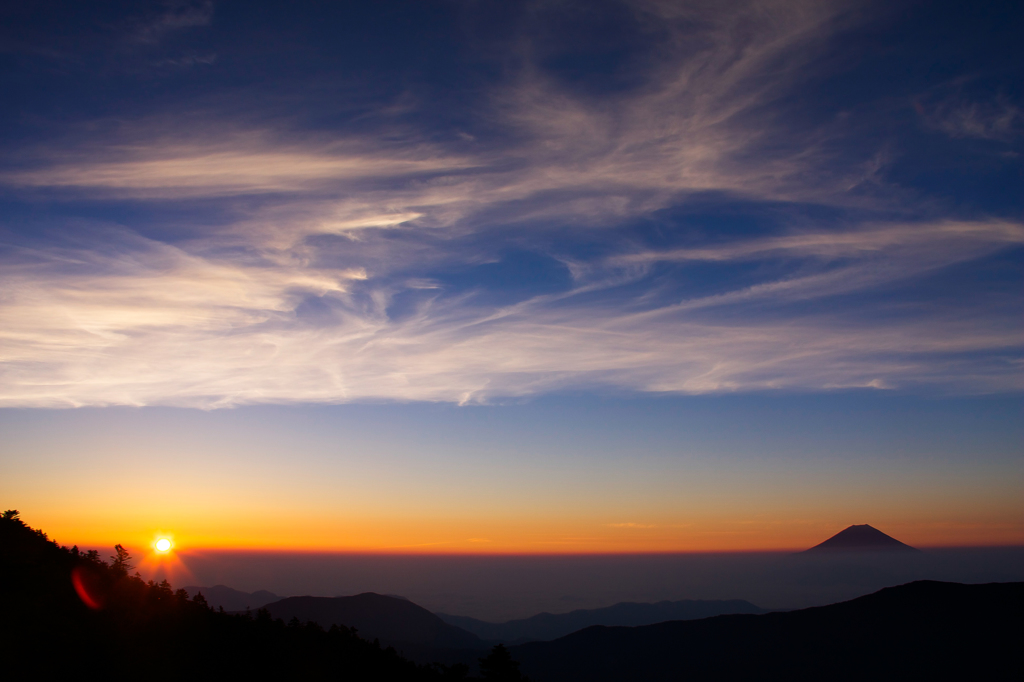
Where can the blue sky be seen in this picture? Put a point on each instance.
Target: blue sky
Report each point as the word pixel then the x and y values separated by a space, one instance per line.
pixel 673 207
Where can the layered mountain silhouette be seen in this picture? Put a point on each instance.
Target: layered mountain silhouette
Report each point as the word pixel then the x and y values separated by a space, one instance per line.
pixel 64 609
pixel 231 599
pixel 548 626
pixel 921 630
pixel 62 606
pixel 860 539
pixel 394 621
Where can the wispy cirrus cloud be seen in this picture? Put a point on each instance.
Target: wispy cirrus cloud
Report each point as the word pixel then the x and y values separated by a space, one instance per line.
pixel 997 119
pixel 174 16
pixel 173 172
pixel 323 282
pixel 860 260
pixel 156 325
pixel 695 122
pixel 881 240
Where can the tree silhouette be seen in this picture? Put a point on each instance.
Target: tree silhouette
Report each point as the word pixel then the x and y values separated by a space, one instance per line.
pixel 45 623
pixel 121 560
pixel 499 666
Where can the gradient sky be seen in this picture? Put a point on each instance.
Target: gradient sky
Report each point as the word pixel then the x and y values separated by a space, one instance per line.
pixel 475 276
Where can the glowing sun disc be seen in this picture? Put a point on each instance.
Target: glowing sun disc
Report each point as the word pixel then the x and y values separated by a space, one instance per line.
pixel 163 545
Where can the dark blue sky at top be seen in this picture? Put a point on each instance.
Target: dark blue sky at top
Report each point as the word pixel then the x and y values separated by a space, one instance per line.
pixel 334 66
pixel 80 79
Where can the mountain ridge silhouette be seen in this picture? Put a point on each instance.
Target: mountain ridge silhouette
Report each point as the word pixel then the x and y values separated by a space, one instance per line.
pixel 232 599
pixel 921 630
pixel 547 626
pixel 860 538
pixel 395 621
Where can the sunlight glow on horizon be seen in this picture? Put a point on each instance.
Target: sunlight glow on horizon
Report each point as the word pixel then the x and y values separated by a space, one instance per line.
pixel 676 277
pixel 361 480
pixel 556 538
pixel 158 561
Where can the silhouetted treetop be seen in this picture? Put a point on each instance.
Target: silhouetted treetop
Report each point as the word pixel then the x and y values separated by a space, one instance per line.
pixel 121 560
pixel 498 665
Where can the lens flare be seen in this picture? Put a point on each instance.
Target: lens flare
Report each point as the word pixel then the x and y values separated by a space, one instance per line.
pixel 87 587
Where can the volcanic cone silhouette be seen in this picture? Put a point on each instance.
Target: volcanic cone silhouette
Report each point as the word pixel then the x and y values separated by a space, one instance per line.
pixel 861 538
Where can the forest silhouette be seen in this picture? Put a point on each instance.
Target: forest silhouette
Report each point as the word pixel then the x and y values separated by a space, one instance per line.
pixel 64 609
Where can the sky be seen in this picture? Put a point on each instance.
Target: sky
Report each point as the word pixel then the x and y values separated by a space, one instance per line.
pixel 537 277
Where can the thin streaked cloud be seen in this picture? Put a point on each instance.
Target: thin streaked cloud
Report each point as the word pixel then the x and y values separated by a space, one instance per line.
pixel 988 120
pixel 175 16
pixel 322 270
pixel 157 325
pixel 184 173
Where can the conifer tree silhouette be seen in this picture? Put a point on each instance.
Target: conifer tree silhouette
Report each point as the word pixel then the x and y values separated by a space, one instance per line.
pixel 121 561
pixel 498 665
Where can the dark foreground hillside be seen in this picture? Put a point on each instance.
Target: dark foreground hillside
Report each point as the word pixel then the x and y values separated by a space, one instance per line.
pixel 922 630
pixel 67 612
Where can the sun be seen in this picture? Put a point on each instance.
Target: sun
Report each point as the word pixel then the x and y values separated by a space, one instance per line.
pixel 163 558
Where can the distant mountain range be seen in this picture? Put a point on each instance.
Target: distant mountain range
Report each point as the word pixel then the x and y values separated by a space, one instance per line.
pixel 860 538
pixel 922 630
pixel 548 626
pixel 231 599
pixel 644 633
pixel 394 621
